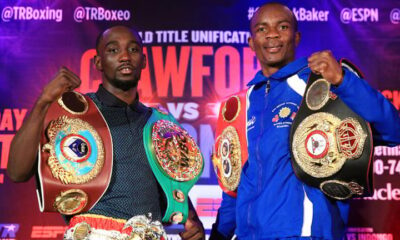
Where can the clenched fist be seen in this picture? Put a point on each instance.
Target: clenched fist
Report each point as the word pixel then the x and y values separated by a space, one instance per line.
pixel 64 81
pixel 324 63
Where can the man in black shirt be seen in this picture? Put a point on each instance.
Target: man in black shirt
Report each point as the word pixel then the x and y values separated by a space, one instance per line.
pixel 121 60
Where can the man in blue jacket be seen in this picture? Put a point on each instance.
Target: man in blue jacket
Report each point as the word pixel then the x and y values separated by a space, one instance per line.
pixel 271 202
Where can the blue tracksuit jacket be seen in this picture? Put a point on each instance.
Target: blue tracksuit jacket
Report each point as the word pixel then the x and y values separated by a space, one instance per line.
pixel 272 203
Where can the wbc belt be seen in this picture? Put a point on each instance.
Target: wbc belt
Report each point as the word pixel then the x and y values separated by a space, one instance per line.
pixel 75 156
pixel 230 148
pixel 331 146
pixel 176 162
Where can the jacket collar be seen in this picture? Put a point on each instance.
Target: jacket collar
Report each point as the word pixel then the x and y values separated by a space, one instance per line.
pixel 282 73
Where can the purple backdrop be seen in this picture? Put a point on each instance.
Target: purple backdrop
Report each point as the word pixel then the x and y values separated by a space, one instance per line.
pixel 197 54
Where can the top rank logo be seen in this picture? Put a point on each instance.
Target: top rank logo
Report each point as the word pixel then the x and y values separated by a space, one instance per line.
pixel 8 230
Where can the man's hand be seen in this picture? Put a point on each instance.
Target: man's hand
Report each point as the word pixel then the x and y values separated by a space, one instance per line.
pixel 64 81
pixel 325 64
pixel 24 146
pixel 193 227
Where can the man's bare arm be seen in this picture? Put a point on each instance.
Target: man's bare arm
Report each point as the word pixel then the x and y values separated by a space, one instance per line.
pixel 24 146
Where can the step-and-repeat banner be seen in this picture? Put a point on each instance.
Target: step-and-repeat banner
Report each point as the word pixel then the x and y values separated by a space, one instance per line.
pixel 197 54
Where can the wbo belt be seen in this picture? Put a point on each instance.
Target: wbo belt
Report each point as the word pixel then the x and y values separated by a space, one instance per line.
pixel 230 148
pixel 331 146
pixel 75 156
pixel 175 159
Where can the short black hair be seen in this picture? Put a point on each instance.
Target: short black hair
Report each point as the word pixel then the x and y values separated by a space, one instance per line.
pixel 100 36
pixel 98 40
pixel 295 22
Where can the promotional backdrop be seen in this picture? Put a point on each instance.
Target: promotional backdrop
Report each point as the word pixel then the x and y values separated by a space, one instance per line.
pixel 197 54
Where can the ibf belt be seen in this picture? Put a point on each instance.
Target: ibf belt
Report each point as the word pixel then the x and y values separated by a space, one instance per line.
pixel 176 162
pixel 75 156
pixel 331 145
pixel 230 148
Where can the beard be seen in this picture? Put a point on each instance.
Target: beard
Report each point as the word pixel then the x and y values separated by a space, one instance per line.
pixel 123 84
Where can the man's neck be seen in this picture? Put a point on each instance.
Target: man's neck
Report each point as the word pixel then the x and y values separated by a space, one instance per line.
pixel 128 96
pixel 268 71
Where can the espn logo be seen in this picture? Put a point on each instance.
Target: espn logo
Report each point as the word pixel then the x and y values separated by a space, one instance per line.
pixel 48 231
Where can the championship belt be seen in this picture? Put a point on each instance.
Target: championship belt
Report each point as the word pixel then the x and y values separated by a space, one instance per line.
pixel 230 148
pixel 331 146
pixel 75 156
pixel 176 162
pixel 93 226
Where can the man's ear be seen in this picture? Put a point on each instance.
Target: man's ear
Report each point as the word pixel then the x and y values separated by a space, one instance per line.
pixel 251 43
pixel 97 63
pixel 297 38
pixel 144 61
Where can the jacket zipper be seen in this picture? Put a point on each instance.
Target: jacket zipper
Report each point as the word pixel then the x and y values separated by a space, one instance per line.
pixel 258 157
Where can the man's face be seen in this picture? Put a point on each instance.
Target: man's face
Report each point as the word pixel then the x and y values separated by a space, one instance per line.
pixel 120 58
pixel 273 38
